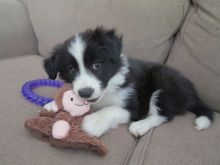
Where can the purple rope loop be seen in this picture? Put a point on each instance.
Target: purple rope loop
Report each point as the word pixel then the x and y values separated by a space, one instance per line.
pixel 28 87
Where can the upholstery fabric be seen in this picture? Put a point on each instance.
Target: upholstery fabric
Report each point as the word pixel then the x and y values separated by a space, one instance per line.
pixel 196 52
pixel 148 26
pixel 178 142
pixel 16 32
pixel 18 146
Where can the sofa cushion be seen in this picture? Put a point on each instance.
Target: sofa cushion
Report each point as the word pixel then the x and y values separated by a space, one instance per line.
pixel 178 142
pixel 196 52
pixel 18 146
pixel 147 25
pixel 16 32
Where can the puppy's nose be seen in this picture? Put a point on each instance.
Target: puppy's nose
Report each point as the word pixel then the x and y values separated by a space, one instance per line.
pixel 86 92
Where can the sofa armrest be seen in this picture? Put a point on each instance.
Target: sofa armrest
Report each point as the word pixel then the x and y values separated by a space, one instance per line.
pixel 16 33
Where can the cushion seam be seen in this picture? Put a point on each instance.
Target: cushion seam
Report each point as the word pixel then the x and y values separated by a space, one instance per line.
pixel 182 31
pixel 143 154
pixel 130 152
pixel 174 36
pixel 182 34
pixel 33 26
pixel 33 30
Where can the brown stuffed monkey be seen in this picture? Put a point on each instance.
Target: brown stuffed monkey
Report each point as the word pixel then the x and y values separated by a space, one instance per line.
pixel 62 126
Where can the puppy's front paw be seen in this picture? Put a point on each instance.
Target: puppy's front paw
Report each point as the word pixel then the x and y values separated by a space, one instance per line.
pixel 51 106
pixel 93 125
pixel 138 128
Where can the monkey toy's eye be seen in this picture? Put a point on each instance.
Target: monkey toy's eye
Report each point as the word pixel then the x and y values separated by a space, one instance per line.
pixel 71 99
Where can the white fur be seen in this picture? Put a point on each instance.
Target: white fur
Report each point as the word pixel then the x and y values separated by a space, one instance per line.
pixel 202 122
pixel 120 77
pixel 110 112
pixel 96 124
pixel 112 95
pixel 117 98
pixel 111 100
pixel 51 106
pixel 153 109
pixel 76 49
pixel 141 127
pixel 84 79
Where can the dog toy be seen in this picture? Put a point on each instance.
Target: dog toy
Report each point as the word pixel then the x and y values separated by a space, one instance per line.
pixel 28 87
pixel 62 125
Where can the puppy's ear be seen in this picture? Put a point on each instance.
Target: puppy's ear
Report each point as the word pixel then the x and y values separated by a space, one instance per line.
pixel 50 65
pixel 116 41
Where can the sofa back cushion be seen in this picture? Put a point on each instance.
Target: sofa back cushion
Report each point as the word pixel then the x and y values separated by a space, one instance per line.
pixel 16 32
pixel 196 51
pixel 147 26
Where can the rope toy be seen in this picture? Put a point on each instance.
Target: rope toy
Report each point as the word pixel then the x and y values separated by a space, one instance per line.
pixel 30 95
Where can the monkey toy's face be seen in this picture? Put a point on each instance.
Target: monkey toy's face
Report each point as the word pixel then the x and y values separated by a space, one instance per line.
pixel 73 104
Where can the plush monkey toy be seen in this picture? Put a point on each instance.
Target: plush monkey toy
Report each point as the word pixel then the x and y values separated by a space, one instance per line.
pixel 62 126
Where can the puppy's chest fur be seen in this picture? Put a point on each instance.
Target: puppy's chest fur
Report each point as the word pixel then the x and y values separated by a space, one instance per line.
pixel 114 97
pixel 124 88
pixel 130 90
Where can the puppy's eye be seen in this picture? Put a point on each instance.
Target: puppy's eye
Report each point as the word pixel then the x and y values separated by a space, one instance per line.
pixel 70 69
pixel 96 66
pixel 71 99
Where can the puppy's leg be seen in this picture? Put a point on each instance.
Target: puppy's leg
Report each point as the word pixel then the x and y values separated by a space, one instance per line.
pixel 154 119
pixel 101 121
pixel 141 127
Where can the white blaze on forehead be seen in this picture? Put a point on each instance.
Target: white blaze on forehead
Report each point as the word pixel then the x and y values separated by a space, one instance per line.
pixel 85 78
pixel 77 49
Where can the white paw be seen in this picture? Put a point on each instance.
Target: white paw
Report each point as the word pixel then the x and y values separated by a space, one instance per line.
pixel 138 128
pixel 60 129
pixel 94 125
pixel 51 106
pixel 202 122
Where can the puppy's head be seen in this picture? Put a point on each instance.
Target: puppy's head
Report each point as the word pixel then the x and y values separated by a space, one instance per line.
pixel 88 61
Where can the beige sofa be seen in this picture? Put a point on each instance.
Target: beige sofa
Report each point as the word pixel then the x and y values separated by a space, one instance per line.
pixel 183 34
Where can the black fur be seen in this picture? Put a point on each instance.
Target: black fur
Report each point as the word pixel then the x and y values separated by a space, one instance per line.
pixel 108 53
pixel 177 93
pixel 176 97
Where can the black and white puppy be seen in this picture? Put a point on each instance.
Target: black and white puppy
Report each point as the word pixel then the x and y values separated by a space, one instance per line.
pixel 121 89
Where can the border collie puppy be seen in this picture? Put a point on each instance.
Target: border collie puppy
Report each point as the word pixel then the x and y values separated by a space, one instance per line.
pixel 121 89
